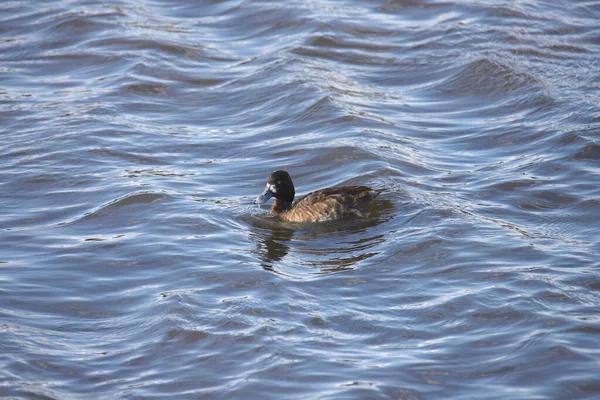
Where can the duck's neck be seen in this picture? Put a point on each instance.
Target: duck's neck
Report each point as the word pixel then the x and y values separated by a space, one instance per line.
pixel 280 206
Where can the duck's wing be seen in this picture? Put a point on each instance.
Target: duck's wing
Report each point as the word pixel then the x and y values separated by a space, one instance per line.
pixel 330 204
pixel 348 196
pixel 325 210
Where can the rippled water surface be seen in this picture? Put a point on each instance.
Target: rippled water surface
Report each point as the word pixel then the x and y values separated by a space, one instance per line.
pixel 135 135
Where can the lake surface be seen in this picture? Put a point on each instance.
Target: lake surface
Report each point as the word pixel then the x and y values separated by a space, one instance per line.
pixel 135 135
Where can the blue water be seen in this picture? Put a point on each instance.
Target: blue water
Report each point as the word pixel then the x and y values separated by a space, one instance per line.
pixel 134 136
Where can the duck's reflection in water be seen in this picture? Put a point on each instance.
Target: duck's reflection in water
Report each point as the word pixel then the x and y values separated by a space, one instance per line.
pixel 298 251
pixel 271 245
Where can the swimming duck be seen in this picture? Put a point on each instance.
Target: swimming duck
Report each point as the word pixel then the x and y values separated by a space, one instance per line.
pixel 322 205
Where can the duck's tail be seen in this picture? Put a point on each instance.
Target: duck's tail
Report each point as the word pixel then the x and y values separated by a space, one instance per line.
pixel 371 194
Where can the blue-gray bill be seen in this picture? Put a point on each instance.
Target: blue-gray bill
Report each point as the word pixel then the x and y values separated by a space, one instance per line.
pixel 264 196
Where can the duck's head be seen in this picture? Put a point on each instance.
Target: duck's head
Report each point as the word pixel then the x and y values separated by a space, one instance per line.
pixel 280 186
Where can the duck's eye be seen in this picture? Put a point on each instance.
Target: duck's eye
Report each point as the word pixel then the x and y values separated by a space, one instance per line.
pixel 279 182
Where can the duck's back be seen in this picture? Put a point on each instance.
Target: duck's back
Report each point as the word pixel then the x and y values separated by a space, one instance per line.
pixel 330 204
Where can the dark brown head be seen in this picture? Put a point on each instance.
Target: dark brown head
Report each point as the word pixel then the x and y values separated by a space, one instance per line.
pixel 280 186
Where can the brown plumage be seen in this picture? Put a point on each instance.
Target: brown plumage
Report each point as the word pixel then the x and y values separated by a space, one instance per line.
pixel 322 205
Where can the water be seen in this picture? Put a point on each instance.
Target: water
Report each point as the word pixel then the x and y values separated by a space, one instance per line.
pixel 136 134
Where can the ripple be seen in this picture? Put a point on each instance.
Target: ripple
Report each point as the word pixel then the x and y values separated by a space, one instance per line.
pixel 489 77
pixel 115 206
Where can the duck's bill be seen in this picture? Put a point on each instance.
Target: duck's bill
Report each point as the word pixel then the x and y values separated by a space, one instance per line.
pixel 264 196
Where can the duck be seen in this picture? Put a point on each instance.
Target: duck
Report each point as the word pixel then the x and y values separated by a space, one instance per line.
pixel 327 204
